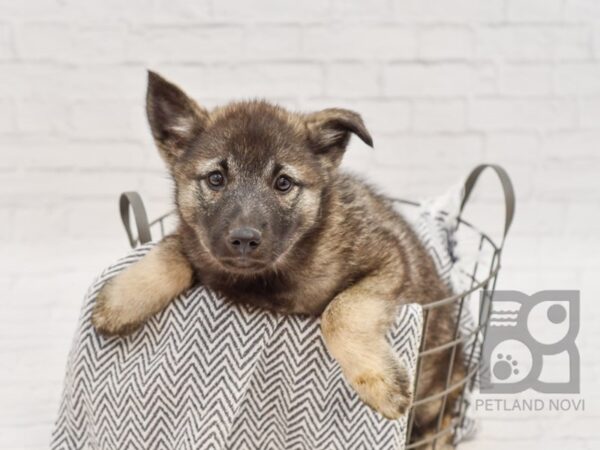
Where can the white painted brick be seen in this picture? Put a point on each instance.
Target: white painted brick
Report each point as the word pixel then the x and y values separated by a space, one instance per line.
pixel 549 218
pixel 568 253
pixel 108 10
pixel 45 81
pixel 579 10
pixel 365 42
pixel 42 257
pixel 41 116
pixel 268 80
pixel 583 427
pixel 437 80
pixel 533 43
pixel 582 219
pixel 440 115
pixel 185 43
pixel 351 80
pixel 577 148
pixel 40 152
pixel 517 147
pixel 589 112
pixel 557 181
pixel 360 10
pixel 272 41
pixel 534 10
pixel 68 42
pixel 19 10
pixel 38 223
pixel 141 133
pixel 19 152
pixel 410 151
pixel 460 11
pixel 596 40
pixel 359 158
pixel 156 186
pixel 10 156
pixel 26 80
pixel 7 116
pixel 417 183
pixel 497 429
pixel 513 43
pixel 578 78
pixel 99 219
pixel 6 231
pixel 101 119
pixel 204 85
pixel 384 117
pixel 27 437
pixel 519 114
pixel 124 82
pixel 526 79
pixel 6 42
pixel 61 82
pixel 45 186
pixel 152 159
pixel 181 10
pixel 272 11
pixel 445 42
pixel 574 43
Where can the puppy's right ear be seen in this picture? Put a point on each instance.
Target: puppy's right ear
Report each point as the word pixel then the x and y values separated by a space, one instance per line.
pixel 175 119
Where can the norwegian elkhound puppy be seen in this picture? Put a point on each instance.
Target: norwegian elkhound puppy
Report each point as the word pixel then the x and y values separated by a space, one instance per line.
pixel 266 218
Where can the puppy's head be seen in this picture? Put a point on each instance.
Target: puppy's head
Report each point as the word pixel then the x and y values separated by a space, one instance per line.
pixel 250 177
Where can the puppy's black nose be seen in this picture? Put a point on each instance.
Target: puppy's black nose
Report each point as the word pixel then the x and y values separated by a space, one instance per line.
pixel 244 240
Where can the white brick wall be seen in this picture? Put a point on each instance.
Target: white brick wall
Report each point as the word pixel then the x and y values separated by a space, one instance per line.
pixel 443 85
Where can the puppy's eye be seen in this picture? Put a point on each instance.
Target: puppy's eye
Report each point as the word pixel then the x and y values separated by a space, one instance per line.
pixel 216 180
pixel 283 184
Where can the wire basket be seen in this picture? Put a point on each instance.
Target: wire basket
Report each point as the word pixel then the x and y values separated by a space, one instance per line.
pixel 473 306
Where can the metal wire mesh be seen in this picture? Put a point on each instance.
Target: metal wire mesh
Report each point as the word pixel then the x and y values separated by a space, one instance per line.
pixel 476 297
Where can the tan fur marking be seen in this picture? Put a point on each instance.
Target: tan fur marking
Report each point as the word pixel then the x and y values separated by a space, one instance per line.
pixel 354 327
pixel 143 289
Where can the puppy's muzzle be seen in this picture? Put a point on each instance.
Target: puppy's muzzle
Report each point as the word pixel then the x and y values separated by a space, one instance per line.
pixel 243 241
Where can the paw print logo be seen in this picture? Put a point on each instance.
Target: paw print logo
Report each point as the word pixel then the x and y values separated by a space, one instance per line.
pixel 505 367
pixel 526 332
pixel 510 362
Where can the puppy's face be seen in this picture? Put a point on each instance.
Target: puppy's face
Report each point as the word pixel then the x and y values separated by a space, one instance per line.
pixel 250 177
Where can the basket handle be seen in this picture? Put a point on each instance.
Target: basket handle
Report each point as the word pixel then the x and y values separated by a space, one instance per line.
pixel 134 200
pixel 507 187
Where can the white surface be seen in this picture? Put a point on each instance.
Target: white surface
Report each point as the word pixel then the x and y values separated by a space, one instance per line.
pixel 442 84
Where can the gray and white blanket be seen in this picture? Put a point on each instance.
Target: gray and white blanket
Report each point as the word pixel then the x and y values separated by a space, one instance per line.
pixel 206 374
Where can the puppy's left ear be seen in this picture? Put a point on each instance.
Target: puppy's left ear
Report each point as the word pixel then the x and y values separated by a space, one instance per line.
pixel 329 132
pixel 175 119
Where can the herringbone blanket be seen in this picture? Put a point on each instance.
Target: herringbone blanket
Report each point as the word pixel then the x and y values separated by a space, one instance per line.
pixel 206 374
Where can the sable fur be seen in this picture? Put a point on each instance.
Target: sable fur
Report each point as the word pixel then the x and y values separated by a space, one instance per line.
pixel 331 246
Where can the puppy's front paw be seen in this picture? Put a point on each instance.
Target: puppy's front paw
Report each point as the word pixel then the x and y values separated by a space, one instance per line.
pixel 112 313
pixel 387 391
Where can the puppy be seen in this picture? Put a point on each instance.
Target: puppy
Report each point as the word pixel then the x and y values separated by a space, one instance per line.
pixel 266 218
